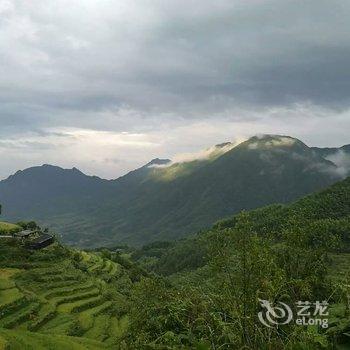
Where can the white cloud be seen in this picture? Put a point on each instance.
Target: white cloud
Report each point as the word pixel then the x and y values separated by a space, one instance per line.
pixel 277 141
pixel 176 76
pixel 111 153
pixel 342 160
pixel 90 150
pixel 213 151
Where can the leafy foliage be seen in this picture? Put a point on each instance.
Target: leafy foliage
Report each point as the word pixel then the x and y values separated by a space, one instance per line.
pixel 277 253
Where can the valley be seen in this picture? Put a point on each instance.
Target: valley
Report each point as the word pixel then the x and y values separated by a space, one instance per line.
pixel 168 201
pixel 192 293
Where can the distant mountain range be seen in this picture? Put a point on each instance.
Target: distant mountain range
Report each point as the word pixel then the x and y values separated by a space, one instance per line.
pixel 164 200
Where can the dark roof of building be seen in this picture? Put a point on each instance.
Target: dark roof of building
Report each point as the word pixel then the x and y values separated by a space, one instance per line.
pixel 24 233
pixel 43 238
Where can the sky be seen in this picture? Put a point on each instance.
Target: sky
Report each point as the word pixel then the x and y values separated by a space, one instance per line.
pixel 106 86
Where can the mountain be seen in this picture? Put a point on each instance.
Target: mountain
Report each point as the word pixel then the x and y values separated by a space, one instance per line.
pixel 66 298
pixel 330 151
pixel 339 156
pixel 164 199
pixel 44 191
pixel 280 252
pixel 323 215
pixel 325 212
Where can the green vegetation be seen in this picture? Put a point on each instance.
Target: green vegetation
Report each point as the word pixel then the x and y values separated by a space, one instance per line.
pixel 209 299
pixel 19 340
pixel 8 228
pixel 61 298
pixel 160 202
pixel 197 293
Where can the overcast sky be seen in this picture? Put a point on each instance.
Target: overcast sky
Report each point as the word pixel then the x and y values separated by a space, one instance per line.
pixel 106 86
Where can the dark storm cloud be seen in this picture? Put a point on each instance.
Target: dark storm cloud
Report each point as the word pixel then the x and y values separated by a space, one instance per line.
pixel 164 55
pixel 134 66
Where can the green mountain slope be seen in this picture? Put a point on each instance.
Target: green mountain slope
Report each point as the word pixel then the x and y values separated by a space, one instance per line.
pixel 280 253
pixel 70 299
pixel 327 210
pixel 324 214
pixel 164 200
pixel 59 298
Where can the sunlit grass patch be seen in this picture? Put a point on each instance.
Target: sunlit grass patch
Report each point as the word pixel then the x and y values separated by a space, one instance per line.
pixel 60 324
pixel 118 327
pixel 10 295
pixel 86 318
pixel 100 328
pixel 8 272
pixel 7 227
pixel 6 281
pixel 62 291
pixel 3 344
pixel 80 304
pixel 22 340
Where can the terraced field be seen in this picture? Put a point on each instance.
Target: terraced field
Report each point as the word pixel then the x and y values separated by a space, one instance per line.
pixel 23 340
pixel 66 299
pixel 6 227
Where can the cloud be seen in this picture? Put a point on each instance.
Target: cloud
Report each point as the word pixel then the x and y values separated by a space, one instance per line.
pixel 277 141
pixel 213 151
pixel 342 160
pixel 94 151
pixel 151 56
pixel 165 69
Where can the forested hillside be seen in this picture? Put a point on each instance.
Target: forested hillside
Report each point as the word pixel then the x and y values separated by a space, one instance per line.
pixel 198 293
pixel 325 215
pixel 164 200
pixel 215 280
pixel 325 212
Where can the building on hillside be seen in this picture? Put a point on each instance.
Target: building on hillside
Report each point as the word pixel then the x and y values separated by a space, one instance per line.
pixel 24 234
pixel 40 242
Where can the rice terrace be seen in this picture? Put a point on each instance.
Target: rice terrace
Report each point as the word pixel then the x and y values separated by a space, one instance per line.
pixel 56 298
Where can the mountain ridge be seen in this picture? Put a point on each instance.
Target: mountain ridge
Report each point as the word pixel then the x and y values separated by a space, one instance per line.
pixel 166 200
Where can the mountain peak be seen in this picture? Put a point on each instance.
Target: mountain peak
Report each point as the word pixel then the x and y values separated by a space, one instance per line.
pixel 223 145
pixel 270 141
pixel 44 172
pixel 159 202
pixel 157 161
